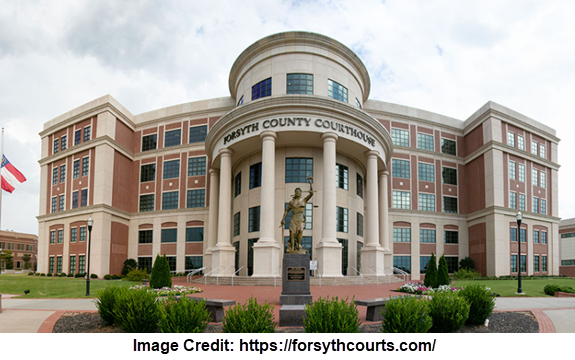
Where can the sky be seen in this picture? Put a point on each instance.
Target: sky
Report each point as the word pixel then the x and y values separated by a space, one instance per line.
pixel 447 57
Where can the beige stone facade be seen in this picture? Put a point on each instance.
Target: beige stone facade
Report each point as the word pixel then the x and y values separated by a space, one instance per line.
pixel 207 182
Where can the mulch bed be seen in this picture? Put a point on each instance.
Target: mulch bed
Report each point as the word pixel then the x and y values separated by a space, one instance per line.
pixel 499 322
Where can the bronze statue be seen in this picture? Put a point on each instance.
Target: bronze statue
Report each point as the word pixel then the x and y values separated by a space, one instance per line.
pixel 297 222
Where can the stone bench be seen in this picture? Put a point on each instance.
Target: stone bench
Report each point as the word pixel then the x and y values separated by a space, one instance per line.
pixel 215 307
pixel 375 307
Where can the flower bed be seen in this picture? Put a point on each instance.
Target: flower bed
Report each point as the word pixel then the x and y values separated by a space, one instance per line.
pixel 417 287
pixel 174 290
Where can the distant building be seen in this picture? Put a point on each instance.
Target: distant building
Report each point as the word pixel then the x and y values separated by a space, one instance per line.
pixel 19 244
pixel 567 246
pixel 207 182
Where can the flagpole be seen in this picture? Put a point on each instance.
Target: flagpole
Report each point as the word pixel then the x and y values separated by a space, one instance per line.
pixel 2 159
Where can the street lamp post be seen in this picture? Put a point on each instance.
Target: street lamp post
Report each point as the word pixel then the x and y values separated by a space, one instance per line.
pixel 519 217
pixel 90 223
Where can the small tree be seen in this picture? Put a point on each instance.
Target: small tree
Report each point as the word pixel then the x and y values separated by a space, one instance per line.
pixel 442 274
pixel 467 263
pixel 129 265
pixel 7 258
pixel 160 276
pixel 431 273
pixel 26 258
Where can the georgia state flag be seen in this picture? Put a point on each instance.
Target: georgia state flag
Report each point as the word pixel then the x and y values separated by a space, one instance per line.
pixel 11 177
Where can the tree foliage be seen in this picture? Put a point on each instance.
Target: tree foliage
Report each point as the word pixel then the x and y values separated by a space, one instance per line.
pixel 7 259
pixel 431 273
pixel 129 265
pixel 442 273
pixel 160 276
pixel 467 263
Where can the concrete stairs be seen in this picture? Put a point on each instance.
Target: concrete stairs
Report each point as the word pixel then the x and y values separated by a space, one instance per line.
pixel 314 281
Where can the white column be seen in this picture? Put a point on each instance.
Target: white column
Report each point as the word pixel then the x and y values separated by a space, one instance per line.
pixel 267 250
pixel 223 254
pixel 213 216
pixel 329 249
pixel 383 210
pixel 372 253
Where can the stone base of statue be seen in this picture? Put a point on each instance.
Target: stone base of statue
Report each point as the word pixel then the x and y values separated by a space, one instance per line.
pixel 295 289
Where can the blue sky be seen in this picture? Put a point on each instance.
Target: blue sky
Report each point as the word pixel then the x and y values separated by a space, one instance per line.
pixel 448 57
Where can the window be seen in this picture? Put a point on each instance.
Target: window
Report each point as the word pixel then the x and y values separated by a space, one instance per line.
pixel 424 263
pixel 543 207
pixel 255 175
pixel 169 235
pixel 543 180
pixel 241 101
pixel 87 131
pixel 52 237
pixel 567 262
pixel 85 166
pixel 400 200
pixel 170 200
pixel 426 202
pixel 513 263
pixel 341 219
pixel 400 168
pixel 450 205
pixel 400 137
pixel 543 263
pixel 195 234
pixel 148 172
pixel 542 152
pixel 448 147
pixel 512 170
pixel 55 175
pixel 513 200
pixel 298 169
pixel 357 103
pixel 534 148
pixel 449 176
pixel 401 234
pixel 425 142
pixel 534 177
pixel 171 263
pixel 359 224
pixel 344 255
pixel 149 142
pixel 62 173
pixel 145 236
pixel 82 264
pixel 61 203
pixel 82 233
pixel 535 237
pixel 147 202
pixel 251 243
pixel 145 263
pixel 197 166
pixel 84 199
pixel 299 84
pixel 198 134
pixel 51 266
pixel 402 263
pixel 523 235
pixel 238 184
pixel 452 263
pixel 359 185
pixel 426 172
pixel 521 172
pixel 236 224
pixel 308 215
pixel 78 137
pixel 544 237
pixel 427 235
pixel 520 142
pixel 56 145
pixel 513 235
pixel 254 219
pixel 336 91
pixel 76 171
pixel 54 204
pixel 451 237
pixel 60 236
pixel 196 198
pixel 74 235
pixel 341 175
pixel 171 169
pixel 262 89
pixel 72 264
pixel 536 263
pixel 510 139
pixel 194 262
pixel 522 202
pixel 523 264
pixel 64 143
pixel 535 205
pixel 173 138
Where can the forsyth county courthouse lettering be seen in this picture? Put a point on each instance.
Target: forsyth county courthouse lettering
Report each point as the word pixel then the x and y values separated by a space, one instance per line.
pixel 206 183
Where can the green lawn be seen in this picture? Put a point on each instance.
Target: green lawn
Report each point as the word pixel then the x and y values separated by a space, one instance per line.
pixel 532 287
pixel 54 287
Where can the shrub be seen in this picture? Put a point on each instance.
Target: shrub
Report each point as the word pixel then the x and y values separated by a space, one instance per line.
pixel 129 265
pixel 464 274
pixel 331 316
pixel 184 315
pixel 551 289
pixel 70 275
pixel 37 274
pixel 116 277
pixel 136 275
pixel 448 312
pixel 136 311
pixel 30 273
pixel 250 318
pixel 442 274
pixel 406 315
pixel 93 276
pixel 481 301
pixel 105 303
pixel 107 277
pixel 160 276
pixel 42 274
pixel 431 273
pixel 80 275
pixel 63 275
pixel 49 274
pixel 467 263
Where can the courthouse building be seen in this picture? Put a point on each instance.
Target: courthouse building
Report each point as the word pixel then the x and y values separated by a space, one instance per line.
pixel 206 183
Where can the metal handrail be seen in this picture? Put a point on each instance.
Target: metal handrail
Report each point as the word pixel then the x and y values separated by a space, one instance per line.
pixel 194 272
pixel 206 276
pixel 376 274
pixel 399 271
pixel 234 274
pixel 360 274
pixel 223 271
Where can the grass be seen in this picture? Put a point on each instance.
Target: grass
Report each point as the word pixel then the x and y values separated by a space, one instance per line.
pixel 54 287
pixel 508 288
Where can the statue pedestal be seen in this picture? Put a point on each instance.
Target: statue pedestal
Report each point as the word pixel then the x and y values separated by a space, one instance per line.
pixel 295 289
